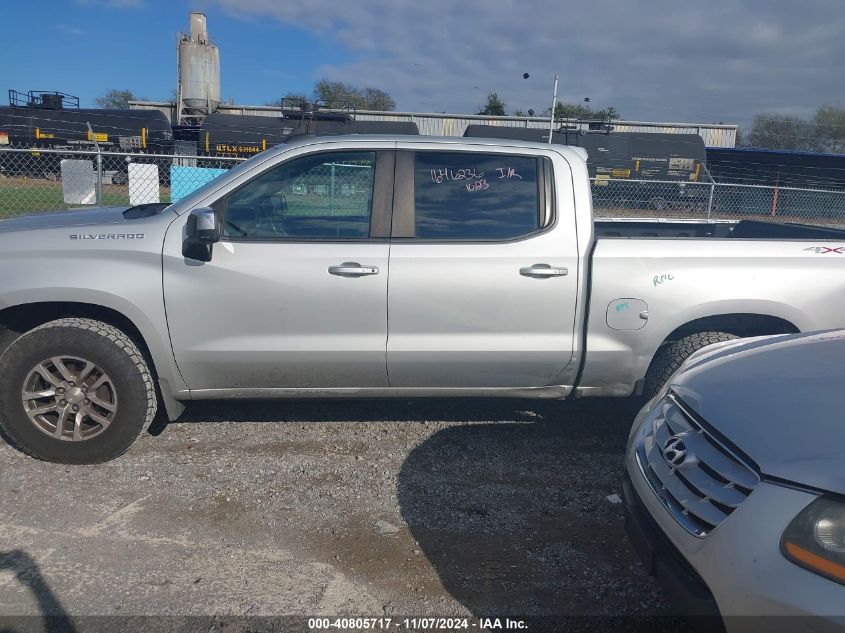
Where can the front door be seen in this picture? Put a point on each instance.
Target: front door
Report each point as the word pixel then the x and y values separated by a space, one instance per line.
pixel 295 294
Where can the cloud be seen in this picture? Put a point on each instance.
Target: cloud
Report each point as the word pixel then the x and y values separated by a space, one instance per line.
pixel 71 30
pixel 653 60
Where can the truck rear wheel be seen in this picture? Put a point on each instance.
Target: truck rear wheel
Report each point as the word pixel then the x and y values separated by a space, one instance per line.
pixel 75 391
pixel 672 355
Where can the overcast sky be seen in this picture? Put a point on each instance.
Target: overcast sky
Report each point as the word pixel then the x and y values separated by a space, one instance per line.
pixel 718 60
pixel 658 60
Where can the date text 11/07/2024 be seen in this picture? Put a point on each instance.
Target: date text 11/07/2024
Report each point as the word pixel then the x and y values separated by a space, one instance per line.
pixel 417 624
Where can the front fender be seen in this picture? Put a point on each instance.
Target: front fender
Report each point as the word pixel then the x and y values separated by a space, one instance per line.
pixel 46 266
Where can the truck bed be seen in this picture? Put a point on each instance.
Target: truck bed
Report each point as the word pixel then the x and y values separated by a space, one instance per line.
pixel 744 229
pixel 646 289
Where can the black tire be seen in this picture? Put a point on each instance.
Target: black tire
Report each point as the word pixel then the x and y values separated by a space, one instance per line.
pixel 672 355
pixel 109 349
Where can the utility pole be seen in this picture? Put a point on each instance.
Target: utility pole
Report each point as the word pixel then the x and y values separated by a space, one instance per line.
pixel 99 190
pixel 552 115
pixel 554 104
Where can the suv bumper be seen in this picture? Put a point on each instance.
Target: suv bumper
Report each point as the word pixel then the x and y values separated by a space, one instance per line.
pixel 684 587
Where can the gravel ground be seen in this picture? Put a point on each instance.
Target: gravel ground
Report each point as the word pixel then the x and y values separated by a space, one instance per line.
pixel 438 507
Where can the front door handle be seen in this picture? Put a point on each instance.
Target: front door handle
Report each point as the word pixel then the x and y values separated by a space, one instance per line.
pixel 352 269
pixel 542 271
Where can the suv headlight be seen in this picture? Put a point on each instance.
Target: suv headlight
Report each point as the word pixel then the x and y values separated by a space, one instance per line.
pixel 815 539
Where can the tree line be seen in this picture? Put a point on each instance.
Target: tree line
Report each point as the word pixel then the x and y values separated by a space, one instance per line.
pixel 496 107
pixel 824 132
pixel 340 95
pixel 328 93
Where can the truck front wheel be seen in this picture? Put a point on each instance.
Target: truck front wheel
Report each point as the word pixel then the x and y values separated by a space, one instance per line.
pixel 75 391
pixel 672 355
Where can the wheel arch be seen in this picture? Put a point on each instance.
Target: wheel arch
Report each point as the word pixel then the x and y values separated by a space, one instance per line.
pixel 742 324
pixel 21 318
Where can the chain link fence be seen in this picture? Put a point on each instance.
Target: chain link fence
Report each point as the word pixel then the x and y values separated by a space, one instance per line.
pixel 40 180
pixel 330 188
pixel 716 201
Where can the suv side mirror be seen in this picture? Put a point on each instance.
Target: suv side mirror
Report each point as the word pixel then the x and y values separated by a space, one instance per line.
pixel 202 230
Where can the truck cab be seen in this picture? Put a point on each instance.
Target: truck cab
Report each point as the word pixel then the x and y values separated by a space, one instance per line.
pixel 471 248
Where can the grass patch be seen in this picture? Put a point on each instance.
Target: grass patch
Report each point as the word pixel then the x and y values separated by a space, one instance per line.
pixel 19 196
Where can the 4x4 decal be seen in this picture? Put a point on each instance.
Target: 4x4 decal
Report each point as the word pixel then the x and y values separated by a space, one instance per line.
pixel 840 250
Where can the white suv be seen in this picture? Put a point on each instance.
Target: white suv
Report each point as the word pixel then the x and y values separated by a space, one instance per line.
pixel 735 482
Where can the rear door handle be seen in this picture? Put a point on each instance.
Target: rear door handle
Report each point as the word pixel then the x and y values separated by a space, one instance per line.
pixel 352 269
pixel 542 271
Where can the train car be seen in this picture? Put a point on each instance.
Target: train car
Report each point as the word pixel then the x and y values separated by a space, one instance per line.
pixel 241 135
pixel 113 130
pixel 244 135
pixel 45 123
pixel 652 162
pixel 620 155
pixel 801 183
pixel 777 168
pixel 41 121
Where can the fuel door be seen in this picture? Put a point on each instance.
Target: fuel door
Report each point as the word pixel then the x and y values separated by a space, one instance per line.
pixel 627 314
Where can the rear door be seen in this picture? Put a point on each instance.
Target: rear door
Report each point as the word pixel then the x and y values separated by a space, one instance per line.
pixel 483 270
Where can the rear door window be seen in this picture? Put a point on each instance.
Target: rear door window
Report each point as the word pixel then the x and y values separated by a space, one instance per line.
pixel 475 196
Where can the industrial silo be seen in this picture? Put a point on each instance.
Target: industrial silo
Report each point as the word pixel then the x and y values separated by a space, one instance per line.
pixel 199 71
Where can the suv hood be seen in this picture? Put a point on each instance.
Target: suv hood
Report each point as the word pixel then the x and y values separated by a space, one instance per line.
pixel 780 399
pixel 61 218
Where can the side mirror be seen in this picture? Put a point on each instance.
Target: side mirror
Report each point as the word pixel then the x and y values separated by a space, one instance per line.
pixel 202 231
pixel 202 226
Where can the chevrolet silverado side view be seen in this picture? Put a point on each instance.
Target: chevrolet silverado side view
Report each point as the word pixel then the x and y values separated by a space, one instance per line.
pixel 380 265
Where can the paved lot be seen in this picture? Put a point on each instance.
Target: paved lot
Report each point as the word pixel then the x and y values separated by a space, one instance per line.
pixel 445 507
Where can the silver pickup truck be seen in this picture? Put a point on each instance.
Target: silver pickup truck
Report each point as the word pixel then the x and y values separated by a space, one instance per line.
pixel 376 266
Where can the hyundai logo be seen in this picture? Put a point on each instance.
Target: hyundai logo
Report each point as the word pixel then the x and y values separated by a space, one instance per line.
pixel 675 451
